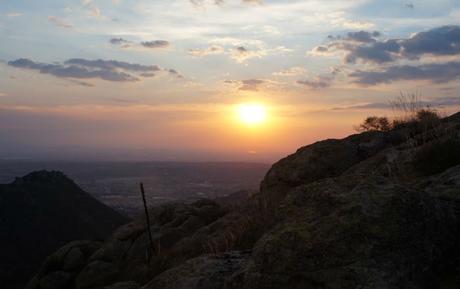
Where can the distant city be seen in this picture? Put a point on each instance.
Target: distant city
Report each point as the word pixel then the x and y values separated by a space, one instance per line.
pixel 117 183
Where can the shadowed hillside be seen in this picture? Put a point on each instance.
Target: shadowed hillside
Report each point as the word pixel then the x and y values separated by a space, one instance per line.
pixel 41 212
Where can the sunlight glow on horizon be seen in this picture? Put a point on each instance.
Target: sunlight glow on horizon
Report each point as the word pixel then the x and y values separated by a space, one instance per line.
pixel 252 113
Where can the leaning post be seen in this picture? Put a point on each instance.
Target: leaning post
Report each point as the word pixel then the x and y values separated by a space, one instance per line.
pixel 147 218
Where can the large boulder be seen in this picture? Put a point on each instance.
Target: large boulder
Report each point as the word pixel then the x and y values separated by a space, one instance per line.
pixel 128 255
pixel 323 159
pixel 338 234
pixel 205 272
pixel 61 268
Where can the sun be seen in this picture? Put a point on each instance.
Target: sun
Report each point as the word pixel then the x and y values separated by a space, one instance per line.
pixel 252 113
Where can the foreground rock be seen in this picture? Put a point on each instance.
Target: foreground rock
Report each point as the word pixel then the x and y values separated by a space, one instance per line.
pixel 209 271
pixel 375 234
pixel 128 255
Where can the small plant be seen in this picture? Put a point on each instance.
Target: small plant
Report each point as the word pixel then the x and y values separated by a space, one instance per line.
pixel 374 123
pixel 413 117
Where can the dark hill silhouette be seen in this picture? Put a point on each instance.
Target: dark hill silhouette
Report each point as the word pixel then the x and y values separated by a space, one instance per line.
pixel 41 212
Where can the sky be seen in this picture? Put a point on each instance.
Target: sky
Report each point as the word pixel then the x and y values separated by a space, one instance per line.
pixel 163 80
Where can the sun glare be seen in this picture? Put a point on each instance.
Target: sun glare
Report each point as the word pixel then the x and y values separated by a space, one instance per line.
pixel 252 113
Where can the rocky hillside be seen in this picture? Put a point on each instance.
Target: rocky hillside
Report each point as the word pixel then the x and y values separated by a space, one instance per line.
pixel 377 210
pixel 41 212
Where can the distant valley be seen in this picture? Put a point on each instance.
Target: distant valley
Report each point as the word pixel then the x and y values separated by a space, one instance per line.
pixel 116 184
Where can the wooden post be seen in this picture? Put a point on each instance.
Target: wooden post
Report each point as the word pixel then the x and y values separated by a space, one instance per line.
pixel 147 218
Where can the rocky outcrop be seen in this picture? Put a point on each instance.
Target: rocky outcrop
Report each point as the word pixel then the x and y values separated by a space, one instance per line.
pixel 209 271
pixel 339 233
pixel 378 210
pixel 128 254
pixel 324 159
pixel 60 269
pixel 41 212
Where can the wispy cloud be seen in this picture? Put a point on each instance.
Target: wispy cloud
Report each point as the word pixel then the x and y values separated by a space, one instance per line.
pixel 118 41
pixel 156 44
pixel 247 84
pixel 153 44
pixel 59 22
pixel 79 68
pixel 240 54
pixel 201 3
pixel 211 50
pixel 13 14
pixel 91 7
pixel 436 103
pixel 319 82
pixel 292 71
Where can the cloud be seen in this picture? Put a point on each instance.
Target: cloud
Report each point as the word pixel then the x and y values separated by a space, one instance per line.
pixel 92 8
pixel 241 54
pixel 251 84
pixel 13 14
pixel 319 82
pixel 409 5
pixel 247 84
pixel 201 3
pixel 118 41
pixel 252 1
pixel 437 102
pixel 153 44
pixel 366 47
pixel 439 41
pixel 342 20
pixel 292 71
pixel 156 44
pixel 433 72
pixel 175 73
pixel 59 22
pixel 82 83
pixel 112 65
pixel 211 50
pixel 79 68
pixel 362 36
pixel 2 94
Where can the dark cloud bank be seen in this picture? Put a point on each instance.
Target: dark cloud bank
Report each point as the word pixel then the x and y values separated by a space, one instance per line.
pixel 368 47
pixel 79 68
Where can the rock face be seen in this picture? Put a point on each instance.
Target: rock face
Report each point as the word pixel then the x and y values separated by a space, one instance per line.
pixel 339 234
pixel 179 232
pixel 328 158
pixel 209 271
pixel 378 210
pixel 41 212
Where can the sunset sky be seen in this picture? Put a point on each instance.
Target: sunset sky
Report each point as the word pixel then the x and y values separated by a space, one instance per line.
pixel 165 80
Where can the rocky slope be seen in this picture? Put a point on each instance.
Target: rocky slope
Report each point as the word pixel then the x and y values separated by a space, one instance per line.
pixel 373 210
pixel 39 213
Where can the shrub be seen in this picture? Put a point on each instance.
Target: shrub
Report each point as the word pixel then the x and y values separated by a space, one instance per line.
pixel 375 123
